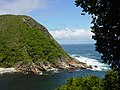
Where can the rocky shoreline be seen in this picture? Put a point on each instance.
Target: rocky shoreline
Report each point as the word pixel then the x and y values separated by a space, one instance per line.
pixel 43 69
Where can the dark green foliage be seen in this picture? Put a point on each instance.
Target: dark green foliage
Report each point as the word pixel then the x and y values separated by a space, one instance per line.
pixel 106 24
pixel 89 83
pixel 23 40
pixel 109 82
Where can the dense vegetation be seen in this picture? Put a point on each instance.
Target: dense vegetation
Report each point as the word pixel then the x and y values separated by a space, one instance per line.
pixel 24 41
pixel 106 25
pixel 109 82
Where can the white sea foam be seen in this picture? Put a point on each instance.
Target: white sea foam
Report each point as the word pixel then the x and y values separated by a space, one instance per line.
pixel 96 65
pixel 7 70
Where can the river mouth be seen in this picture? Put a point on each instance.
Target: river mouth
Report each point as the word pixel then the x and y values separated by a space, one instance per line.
pixel 19 81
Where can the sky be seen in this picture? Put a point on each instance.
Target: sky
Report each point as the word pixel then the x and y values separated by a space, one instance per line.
pixel 61 17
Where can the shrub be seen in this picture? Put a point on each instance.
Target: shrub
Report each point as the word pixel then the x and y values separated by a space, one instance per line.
pixel 109 82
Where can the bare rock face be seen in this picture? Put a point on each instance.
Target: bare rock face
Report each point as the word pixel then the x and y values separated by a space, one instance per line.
pixel 28 46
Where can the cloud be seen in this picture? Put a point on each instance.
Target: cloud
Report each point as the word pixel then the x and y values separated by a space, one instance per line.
pixel 21 6
pixel 72 35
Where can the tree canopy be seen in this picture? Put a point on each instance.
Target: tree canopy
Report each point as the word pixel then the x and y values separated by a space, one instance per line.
pixel 106 25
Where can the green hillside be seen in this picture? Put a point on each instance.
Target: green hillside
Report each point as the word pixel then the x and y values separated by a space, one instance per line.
pixel 23 42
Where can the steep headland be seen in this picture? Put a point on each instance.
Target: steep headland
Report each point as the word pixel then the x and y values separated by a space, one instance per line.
pixel 28 47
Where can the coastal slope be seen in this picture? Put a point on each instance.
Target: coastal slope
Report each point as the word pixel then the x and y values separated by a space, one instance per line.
pixel 27 46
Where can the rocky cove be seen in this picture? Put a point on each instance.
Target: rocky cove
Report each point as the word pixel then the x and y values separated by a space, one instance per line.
pixel 51 80
pixel 28 47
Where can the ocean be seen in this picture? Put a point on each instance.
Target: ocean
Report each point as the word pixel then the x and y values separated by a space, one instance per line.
pixel 86 53
pixel 82 52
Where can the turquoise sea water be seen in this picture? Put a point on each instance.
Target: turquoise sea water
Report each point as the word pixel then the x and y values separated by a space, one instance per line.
pixel 49 82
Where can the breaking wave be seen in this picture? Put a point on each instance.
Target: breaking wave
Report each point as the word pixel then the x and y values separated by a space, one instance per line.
pixel 94 63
